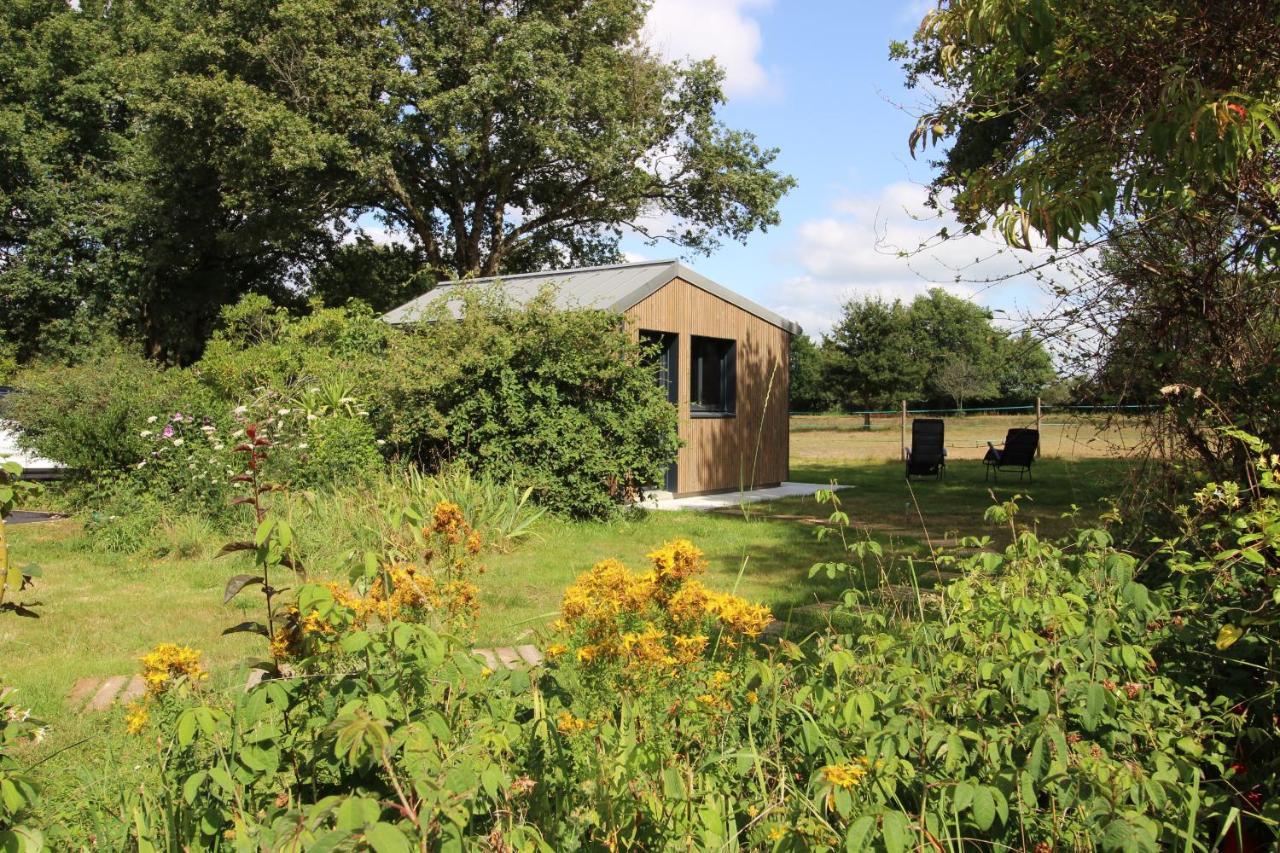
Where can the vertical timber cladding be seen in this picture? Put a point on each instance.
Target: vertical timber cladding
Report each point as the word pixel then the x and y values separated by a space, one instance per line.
pixel 752 448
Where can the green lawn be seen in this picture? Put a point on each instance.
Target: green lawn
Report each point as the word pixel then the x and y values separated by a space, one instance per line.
pixel 101 611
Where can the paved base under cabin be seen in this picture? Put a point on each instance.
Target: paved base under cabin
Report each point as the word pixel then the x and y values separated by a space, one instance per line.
pixel 721 500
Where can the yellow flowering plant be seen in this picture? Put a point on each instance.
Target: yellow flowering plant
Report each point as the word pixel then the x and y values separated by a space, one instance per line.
pixel 659 636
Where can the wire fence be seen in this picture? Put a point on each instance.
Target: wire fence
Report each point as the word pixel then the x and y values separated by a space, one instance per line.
pixel 1125 409
pixel 1066 429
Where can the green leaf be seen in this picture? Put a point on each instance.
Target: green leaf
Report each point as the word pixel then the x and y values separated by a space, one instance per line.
pixel 385 838
pixel 1095 702
pixel 893 830
pixel 855 840
pixel 264 530
pixel 984 808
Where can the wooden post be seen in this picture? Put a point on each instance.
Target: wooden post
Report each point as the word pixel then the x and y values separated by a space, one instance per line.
pixel 1038 443
pixel 902 431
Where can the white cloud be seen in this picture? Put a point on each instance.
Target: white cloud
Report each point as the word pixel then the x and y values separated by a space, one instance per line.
pixel 885 245
pixel 713 28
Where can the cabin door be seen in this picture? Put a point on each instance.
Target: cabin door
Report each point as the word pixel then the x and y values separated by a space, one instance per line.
pixel 666 348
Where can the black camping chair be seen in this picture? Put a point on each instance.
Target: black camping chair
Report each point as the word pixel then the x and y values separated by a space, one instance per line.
pixel 927 455
pixel 1018 453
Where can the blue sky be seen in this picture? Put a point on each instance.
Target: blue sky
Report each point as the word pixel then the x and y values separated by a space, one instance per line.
pixel 814 78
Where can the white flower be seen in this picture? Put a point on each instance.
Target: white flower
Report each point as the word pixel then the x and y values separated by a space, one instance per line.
pixel 141 464
pixel 177 442
pixel 240 410
pixel 145 433
pixel 217 446
pixel 282 412
pixel 152 419
pixel 312 417
pixel 363 414
pixel 208 429
pixel 381 442
pixel 237 433
pixel 303 446
pixel 38 735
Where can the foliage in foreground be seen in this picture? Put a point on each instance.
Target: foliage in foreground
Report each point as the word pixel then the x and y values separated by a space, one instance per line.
pixel 1023 707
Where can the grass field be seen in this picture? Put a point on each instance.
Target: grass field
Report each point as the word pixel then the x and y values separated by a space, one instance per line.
pixel 826 438
pixel 101 611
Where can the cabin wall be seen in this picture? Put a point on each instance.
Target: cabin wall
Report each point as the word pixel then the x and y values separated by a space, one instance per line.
pixel 752 448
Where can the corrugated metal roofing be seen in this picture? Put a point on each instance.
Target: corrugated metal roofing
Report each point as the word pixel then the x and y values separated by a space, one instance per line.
pixel 610 288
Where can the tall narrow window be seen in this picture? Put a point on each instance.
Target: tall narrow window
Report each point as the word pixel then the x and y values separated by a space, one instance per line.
pixel 713 382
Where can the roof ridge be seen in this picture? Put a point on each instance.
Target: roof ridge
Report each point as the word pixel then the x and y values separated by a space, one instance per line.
pixel 567 271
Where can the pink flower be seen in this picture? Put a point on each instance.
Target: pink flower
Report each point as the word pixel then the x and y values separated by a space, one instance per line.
pixel 168 431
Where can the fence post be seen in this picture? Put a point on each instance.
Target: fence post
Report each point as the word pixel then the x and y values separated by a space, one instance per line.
pixel 902 432
pixel 1038 430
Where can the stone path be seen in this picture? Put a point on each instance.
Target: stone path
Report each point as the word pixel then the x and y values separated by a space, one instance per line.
pixel 99 694
pixel 95 693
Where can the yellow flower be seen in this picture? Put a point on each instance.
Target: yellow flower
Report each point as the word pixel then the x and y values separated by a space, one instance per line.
pixel 555 650
pixel 777 832
pixel 137 717
pixel 752 697
pixel 586 654
pixel 677 560
pixel 485 672
pixel 845 775
pixel 568 724
pixel 168 662
pixel 689 649
pixel 447 520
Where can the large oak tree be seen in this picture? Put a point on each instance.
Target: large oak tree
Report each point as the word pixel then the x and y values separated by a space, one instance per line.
pixel 500 135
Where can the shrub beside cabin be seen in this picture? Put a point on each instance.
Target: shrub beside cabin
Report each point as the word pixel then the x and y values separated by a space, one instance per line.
pixel 724 362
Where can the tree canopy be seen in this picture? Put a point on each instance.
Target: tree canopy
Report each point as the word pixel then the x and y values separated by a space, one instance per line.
pixel 164 158
pixel 939 348
pixel 1065 116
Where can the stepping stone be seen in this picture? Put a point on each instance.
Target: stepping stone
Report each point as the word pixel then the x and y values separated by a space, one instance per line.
pixel 531 654
pixel 490 660
pixel 134 691
pixel 83 689
pixel 253 679
pixel 510 659
pixel 106 694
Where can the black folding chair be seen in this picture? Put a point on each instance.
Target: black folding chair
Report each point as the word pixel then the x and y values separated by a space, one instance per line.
pixel 1018 453
pixel 927 455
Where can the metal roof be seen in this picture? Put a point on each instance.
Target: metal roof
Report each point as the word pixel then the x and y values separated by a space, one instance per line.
pixel 610 288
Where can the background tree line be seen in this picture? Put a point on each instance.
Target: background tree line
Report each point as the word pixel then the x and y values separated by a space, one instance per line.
pixel 159 160
pixel 938 350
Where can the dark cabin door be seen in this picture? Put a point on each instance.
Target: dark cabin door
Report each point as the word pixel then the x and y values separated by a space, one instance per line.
pixel 665 349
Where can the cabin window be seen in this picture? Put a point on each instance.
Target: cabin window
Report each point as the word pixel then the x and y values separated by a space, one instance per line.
pixel 714 380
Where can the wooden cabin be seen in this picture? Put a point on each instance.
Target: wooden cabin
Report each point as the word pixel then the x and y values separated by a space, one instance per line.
pixel 724 362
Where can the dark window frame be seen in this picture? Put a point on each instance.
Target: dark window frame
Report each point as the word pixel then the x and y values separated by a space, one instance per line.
pixel 721 400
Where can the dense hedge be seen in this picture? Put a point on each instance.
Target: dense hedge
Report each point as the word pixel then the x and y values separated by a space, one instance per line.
pixel 558 401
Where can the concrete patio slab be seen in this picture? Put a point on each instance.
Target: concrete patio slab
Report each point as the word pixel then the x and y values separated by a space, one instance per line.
pixel 723 500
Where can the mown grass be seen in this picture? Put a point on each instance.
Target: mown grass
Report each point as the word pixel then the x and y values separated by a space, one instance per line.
pixel 100 611
pixel 827 438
